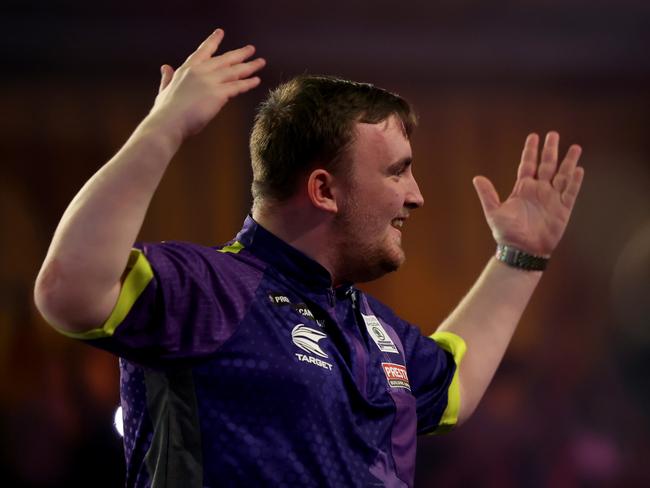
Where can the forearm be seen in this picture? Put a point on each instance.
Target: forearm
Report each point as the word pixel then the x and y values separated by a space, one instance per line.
pixel 79 282
pixel 80 278
pixel 486 319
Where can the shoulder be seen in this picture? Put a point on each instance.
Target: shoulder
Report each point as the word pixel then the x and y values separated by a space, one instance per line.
pixel 174 248
pixel 229 257
pixel 410 334
pixel 171 249
pixel 383 311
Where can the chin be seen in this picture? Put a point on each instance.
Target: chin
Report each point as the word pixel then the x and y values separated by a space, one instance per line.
pixel 382 264
pixel 391 256
pixel 394 263
pixel 396 255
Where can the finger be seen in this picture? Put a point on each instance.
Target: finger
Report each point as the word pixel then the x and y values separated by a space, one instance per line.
pixel 573 188
pixel 570 160
pixel 528 163
pixel 234 88
pixel 487 194
pixel 241 70
pixel 560 182
pixel 231 57
pixel 166 72
pixel 207 47
pixel 548 164
pixel 567 168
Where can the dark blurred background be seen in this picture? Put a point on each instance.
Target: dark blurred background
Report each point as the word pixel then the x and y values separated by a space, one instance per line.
pixel 569 406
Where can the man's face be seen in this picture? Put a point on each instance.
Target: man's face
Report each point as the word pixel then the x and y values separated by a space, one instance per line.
pixel 377 198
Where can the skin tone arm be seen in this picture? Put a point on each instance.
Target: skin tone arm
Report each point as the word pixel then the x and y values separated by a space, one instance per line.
pixel 79 281
pixel 533 218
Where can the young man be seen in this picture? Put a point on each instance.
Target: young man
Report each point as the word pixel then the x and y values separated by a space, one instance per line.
pixel 259 363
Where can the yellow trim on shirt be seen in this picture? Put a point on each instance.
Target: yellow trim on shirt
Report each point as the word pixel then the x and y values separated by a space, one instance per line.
pixel 455 345
pixel 234 248
pixel 138 276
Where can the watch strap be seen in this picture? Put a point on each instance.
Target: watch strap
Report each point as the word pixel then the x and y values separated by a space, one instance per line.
pixel 520 259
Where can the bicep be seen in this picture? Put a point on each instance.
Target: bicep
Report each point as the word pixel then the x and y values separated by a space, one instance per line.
pixel 73 306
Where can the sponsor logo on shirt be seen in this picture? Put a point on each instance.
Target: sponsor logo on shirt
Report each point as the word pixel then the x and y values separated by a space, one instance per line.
pixel 307 339
pixel 396 375
pixel 313 360
pixel 302 309
pixel 379 335
pixel 279 299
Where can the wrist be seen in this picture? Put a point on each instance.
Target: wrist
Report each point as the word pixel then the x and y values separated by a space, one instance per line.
pixel 158 127
pixel 520 259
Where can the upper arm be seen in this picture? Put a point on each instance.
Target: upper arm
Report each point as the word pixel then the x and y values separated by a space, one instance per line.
pixel 72 305
pixel 177 301
pixel 455 412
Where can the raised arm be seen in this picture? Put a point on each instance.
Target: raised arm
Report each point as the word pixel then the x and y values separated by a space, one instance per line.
pixel 79 281
pixel 532 219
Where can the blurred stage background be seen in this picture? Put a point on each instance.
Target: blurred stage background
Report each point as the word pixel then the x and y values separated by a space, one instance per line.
pixel 569 406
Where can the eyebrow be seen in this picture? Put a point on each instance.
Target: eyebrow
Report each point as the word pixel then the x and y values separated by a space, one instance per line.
pixel 400 165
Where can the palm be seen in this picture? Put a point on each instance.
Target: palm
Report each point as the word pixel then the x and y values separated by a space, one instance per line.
pixel 193 94
pixel 534 216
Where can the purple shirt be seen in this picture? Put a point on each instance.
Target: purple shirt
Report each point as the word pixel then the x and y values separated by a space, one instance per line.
pixel 242 366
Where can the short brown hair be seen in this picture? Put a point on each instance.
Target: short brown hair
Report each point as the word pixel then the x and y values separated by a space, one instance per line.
pixel 309 121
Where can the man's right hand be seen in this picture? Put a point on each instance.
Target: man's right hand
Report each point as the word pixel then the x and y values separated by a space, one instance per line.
pixel 80 279
pixel 192 95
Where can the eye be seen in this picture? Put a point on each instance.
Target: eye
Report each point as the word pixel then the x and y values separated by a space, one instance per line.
pixel 399 168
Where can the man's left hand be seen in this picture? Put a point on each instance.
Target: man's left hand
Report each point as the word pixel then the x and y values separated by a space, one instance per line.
pixel 534 216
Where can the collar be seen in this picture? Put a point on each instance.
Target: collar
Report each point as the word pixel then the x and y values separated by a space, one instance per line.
pixel 285 258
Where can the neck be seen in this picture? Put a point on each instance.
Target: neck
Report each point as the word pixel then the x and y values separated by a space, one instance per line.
pixel 302 227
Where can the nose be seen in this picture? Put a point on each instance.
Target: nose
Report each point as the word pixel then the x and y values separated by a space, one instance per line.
pixel 414 198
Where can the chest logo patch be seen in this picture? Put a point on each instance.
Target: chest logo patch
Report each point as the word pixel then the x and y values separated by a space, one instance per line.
pixel 279 299
pixel 379 335
pixel 303 310
pixel 307 339
pixel 396 375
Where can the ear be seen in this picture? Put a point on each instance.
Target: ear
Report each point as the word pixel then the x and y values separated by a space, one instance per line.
pixel 320 191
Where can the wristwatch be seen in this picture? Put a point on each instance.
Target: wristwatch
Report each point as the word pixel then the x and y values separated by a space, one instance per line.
pixel 519 259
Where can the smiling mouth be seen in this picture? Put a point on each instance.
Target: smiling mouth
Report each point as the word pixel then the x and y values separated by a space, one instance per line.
pixel 397 223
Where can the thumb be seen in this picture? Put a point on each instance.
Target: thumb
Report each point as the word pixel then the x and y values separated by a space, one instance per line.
pixel 486 194
pixel 167 72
